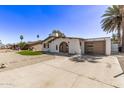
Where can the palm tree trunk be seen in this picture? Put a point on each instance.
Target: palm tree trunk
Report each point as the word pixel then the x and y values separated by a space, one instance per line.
pixel 122 12
pixel 119 36
pixel 123 35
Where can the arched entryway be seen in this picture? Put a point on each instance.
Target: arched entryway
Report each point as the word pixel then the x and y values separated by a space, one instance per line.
pixel 63 47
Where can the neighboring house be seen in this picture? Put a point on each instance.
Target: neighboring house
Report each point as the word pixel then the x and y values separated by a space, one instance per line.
pixel 35 45
pixel 61 44
pixel 1 45
pixel 8 46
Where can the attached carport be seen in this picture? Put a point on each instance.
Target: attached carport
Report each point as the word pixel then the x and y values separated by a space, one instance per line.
pixel 98 46
pixel 95 47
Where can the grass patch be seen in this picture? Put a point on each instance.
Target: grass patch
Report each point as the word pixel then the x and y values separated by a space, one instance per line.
pixel 29 52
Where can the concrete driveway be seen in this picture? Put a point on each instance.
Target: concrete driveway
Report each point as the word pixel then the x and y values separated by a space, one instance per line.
pixel 62 72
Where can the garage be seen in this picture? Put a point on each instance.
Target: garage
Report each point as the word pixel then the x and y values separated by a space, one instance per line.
pixel 95 47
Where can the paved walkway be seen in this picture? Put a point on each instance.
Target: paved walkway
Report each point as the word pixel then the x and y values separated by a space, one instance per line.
pixel 121 61
pixel 62 72
pixel 120 57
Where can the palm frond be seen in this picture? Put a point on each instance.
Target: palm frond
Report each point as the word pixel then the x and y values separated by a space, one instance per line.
pixel 111 19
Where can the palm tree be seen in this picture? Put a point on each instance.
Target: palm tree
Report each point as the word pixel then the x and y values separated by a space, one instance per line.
pixel 112 20
pixel 38 36
pixel 121 8
pixel 21 37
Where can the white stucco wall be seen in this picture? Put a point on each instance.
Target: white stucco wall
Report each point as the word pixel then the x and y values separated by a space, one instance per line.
pixel 82 47
pixel 74 45
pixel 44 49
pixel 108 46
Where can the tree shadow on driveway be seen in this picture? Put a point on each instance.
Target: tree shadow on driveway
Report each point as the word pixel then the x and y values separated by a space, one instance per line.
pixel 84 58
pixel 118 75
pixel 59 54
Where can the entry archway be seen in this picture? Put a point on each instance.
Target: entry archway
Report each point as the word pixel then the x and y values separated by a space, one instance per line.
pixel 63 47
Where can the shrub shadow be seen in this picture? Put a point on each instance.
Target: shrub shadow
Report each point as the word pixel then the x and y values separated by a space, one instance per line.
pixel 84 58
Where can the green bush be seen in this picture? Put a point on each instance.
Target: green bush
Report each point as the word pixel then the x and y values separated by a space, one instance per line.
pixel 22 45
pixel 29 52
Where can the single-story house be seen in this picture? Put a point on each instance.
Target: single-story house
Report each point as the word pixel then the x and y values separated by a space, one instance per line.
pixel 2 46
pixel 71 45
pixel 34 45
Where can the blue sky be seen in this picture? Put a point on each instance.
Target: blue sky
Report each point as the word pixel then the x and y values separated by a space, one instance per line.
pixel 74 21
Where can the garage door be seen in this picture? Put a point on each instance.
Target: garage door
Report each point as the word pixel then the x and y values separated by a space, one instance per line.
pixel 95 47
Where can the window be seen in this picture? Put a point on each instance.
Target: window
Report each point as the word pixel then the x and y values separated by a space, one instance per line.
pixel 80 43
pixel 44 45
pixel 56 47
pixel 47 45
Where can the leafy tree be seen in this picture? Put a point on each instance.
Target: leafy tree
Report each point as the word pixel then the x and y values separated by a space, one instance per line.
pixel 60 34
pixel 22 45
pixel 114 38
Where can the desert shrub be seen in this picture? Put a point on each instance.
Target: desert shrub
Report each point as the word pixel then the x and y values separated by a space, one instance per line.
pixel 22 45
